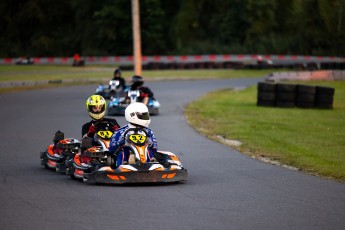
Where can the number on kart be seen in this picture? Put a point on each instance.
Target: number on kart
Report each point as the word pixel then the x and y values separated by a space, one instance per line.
pixel 137 138
pixel 105 134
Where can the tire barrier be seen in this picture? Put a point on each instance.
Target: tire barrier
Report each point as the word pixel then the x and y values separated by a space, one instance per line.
pixel 266 94
pixel 324 97
pixel 285 95
pixel 207 61
pixel 305 96
pixel 294 95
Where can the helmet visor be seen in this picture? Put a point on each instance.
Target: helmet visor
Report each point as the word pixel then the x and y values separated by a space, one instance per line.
pixel 96 109
pixel 143 116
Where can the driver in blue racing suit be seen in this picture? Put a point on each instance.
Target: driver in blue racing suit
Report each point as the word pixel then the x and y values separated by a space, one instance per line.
pixel 137 115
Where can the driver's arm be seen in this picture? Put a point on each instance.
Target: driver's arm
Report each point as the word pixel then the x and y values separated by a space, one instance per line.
pixel 153 145
pixel 91 131
pixel 87 130
pixel 115 126
pixel 146 94
pixel 116 141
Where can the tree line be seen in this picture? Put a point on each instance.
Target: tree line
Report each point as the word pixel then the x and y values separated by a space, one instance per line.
pixel 172 27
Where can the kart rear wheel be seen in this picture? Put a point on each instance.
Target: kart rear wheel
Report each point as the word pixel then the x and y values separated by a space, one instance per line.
pixel 44 159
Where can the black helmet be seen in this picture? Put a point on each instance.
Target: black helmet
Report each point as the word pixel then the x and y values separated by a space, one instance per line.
pixel 117 71
pixel 137 81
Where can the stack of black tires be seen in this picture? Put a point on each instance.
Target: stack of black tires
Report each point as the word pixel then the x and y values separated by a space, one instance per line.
pixel 266 94
pixel 295 95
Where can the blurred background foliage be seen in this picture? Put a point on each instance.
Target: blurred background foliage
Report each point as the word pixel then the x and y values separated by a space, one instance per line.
pixel 172 27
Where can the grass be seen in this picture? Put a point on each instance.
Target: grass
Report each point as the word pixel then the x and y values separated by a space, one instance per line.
pixel 50 72
pixel 312 140
pixel 102 73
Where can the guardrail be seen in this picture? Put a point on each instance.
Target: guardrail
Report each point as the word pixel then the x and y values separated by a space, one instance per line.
pixel 184 59
pixel 13 84
pixel 330 75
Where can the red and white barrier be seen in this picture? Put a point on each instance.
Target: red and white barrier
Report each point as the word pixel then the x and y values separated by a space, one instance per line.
pixel 128 60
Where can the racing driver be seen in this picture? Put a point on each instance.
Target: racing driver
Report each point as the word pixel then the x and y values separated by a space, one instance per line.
pixel 145 92
pixel 96 107
pixel 137 115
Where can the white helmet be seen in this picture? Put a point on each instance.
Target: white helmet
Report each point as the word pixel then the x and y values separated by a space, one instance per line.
pixel 138 114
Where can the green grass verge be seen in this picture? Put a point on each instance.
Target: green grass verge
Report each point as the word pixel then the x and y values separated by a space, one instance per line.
pixel 50 72
pixel 102 73
pixel 312 140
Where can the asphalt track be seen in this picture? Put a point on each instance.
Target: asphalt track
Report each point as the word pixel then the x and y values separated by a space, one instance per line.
pixel 226 190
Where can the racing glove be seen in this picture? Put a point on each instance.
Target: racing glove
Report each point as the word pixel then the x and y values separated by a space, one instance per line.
pixel 92 130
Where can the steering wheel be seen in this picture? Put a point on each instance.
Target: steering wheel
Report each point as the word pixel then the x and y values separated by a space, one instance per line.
pixel 135 130
pixel 103 125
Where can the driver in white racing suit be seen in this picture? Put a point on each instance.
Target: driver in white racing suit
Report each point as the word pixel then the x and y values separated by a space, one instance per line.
pixel 137 115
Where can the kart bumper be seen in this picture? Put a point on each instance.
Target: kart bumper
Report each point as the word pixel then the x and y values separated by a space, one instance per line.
pixel 113 177
pixel 49 161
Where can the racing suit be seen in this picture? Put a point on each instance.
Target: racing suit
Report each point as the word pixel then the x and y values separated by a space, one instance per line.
pixel 144 92
pixel 118 140
pixel 122 82
pixel 88 127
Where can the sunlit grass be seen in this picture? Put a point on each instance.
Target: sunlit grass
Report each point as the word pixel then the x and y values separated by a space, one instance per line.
pixel 309 139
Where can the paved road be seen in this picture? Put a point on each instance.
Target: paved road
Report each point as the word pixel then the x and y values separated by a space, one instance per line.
pixel 226 190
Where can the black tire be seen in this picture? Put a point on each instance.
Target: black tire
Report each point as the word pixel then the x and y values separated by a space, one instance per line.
pixel 307 98
pixel 266 87
pixel 72 176
pixel 266 96
pixel 325 90
pixel 285 88
pixel 306 89
pixel 43 157
pixel 302 104
pixel 324 106
pixel 324 99
pixel 156 112
pixel 285 104
pixel 265 103
pixel 286 97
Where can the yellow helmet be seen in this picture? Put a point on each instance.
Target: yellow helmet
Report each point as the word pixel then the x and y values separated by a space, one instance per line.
pixel 96 106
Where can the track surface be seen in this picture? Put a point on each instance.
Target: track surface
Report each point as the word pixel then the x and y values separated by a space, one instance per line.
pixel 226 190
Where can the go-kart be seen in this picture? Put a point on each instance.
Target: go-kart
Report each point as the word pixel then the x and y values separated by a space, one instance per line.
pixel 56 154
pixel 166 168
pixel 118 105
pixel 113 89
pixel 24 61
pixel 93 154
